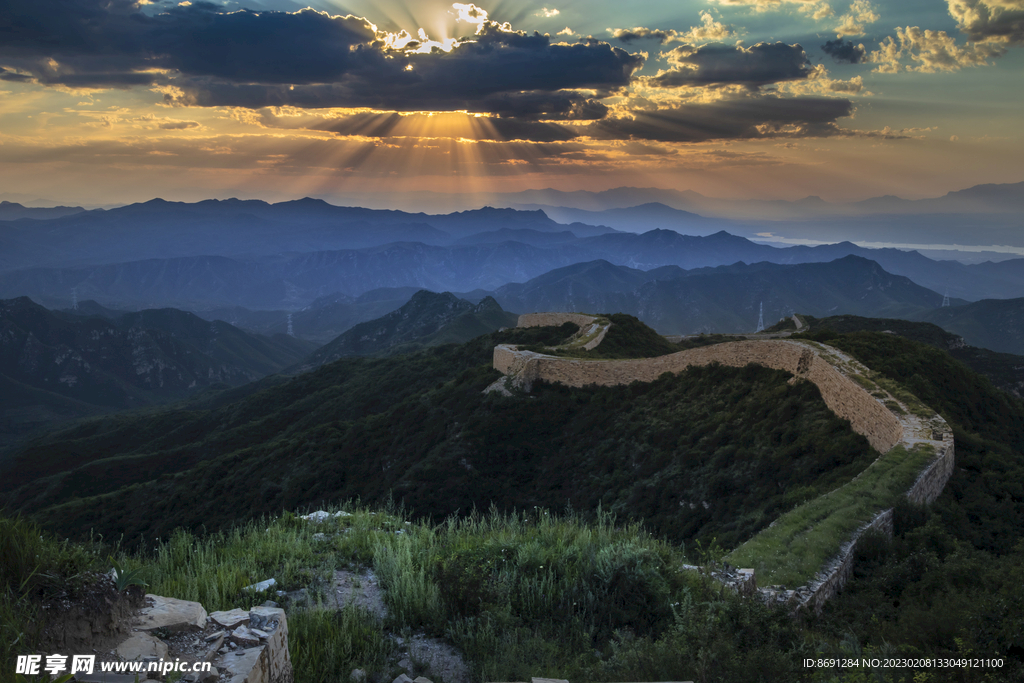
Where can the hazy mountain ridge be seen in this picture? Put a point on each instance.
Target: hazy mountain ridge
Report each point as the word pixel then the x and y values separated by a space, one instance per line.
pixel 996 324
pixel 726 299
pixel 427 319
pixel 294 281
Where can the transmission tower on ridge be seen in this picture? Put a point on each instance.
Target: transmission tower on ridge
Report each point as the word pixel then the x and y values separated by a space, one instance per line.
pixel 291 332
pixel 945 298
pixel 74 298
pixel 760 319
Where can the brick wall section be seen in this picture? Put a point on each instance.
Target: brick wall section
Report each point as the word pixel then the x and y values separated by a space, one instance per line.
pixel 933 479
pixel 843 396
pixel 831 581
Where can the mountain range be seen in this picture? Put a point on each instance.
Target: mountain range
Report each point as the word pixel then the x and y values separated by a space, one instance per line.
pixel 726 299
pixel 294 281
pixel 56 366
pixel 427 319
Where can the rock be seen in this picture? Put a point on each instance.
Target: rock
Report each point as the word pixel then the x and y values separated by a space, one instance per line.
pixel 405 664
pixel 271 603
pixel 548 680
pixel 242 637
pixel 357 676
pixel 402 679
pixel 261 586
pixel 141 646
pixel 322 515
pixel 231 619
pixel 215 648
pixel 170 614
pixel 214 636
pixel 245 666
pixel 421 679
pixel 273 622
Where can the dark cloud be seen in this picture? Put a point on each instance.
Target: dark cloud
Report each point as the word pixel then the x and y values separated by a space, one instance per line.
pixel 998 21
pixel 397 125
pixel 305 58
pixel 178 125
pixel 537 105
pixel 629 35
pixel 6 75
pixel 845 51
pixel 266 47
pixel 735 119
pixel 716 64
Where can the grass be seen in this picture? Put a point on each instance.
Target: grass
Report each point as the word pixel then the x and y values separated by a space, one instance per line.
pixel 791 551
pixel 521 595
pixel 34 567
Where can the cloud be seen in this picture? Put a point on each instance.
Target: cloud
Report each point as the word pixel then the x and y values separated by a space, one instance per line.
pixel 450 126
pixel 770 5
pixel 566 32
pixel 845 51
pixel 929 52
pixel 548 13
pixel 1000 21
pixel 708 31
pixel 7 75
pixel 198 54
pixel 178 125
pixel 818 10
pixel 743 118
pixel 629 35
pixel 715 65
pixel 819 83
pixel 857 16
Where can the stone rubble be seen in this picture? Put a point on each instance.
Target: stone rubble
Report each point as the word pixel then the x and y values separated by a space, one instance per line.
pixel 243 647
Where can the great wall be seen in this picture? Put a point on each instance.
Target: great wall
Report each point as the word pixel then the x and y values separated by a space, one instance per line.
pixel 848 388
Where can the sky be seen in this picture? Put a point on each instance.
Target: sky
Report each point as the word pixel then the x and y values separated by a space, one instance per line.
pixel 114 101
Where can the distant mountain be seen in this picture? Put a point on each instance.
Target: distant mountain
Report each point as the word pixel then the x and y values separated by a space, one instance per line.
pixel 523 235
pixel 428 319
pixel 1005 198
pixel 322 320
pixel 60 365
pixel 991 198
pixel 291 282
pixel 996 324
pixel 724 299
pixel 11 211
pixel 250 229
pixel 642 218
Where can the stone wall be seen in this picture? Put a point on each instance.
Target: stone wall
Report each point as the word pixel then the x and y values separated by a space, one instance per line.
pixel 843 396
pixel 867 415
pixel 933 479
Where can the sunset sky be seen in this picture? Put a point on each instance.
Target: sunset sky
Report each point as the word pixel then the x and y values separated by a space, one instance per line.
pixel 113 101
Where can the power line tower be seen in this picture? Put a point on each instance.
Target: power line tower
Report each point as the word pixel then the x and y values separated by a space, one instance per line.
pixel 945 298
pixel 760 319
pixel 74 298
pixel 291 332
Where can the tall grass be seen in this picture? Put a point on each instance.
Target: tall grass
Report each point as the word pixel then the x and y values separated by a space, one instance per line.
pixel 521 595
pixel 33 567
